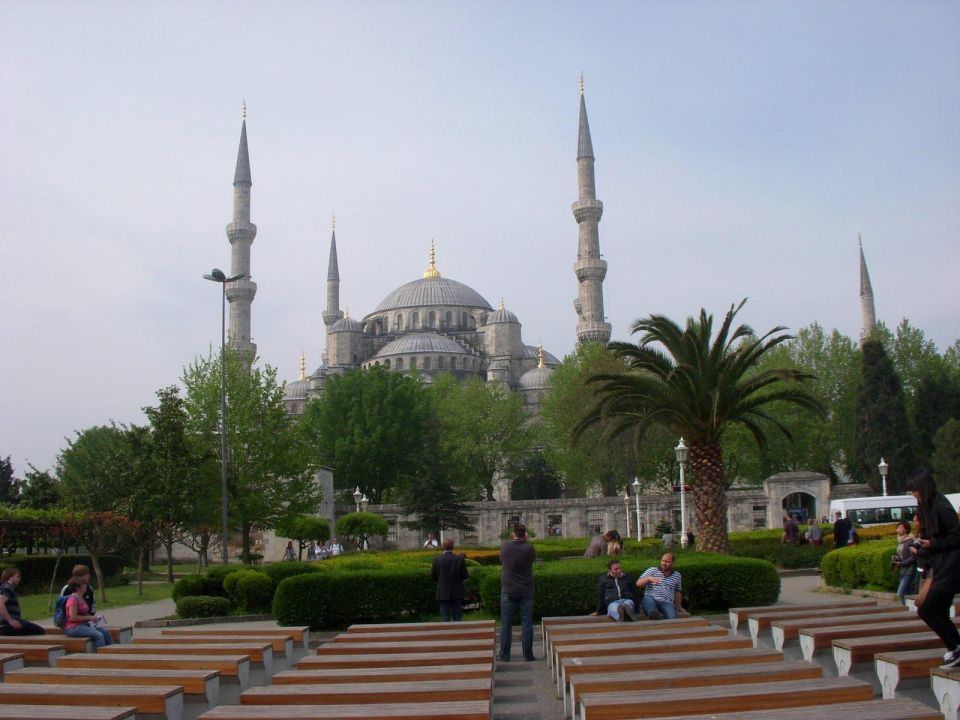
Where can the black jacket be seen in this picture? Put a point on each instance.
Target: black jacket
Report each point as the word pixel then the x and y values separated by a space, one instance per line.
pixel 942 528
pixel 841 532
pixel 449 571
pixel 610 588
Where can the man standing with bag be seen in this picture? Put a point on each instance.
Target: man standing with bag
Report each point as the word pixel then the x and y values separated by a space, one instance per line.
pixel 516 591
pixel 448 572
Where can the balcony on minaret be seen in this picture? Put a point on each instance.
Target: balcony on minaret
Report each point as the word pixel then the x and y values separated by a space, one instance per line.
pixel 238 231
pixel 587 209
pixel 590 268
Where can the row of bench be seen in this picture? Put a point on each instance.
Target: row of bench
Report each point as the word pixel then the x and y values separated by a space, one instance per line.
pixel 687 668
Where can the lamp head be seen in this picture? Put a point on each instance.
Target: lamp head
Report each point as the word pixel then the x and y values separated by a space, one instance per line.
pixel 884 467
pixel 682 451
pixel 636 485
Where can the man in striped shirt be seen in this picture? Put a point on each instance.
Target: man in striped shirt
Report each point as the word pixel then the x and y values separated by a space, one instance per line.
pixel 662 590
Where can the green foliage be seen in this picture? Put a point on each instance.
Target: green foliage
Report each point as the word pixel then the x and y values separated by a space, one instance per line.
pixel 189 585
pixel 865 565
pixel 202 606
pixel 98 467
pixel 251 590
pixel 946 457
pixel 278 572
pixel 304 529
pixel 216 575
pixel 36 571
pixel 40 490
pixel 368 428
pixel 881 428
pixel 9 485
pixel 534 479
pixel 936 401
pixel 360 526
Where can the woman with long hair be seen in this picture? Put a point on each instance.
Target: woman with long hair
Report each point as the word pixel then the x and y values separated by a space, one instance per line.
pixel 938 545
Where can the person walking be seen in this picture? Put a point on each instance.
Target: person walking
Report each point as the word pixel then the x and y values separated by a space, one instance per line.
pixel 938 545
pixel 10 621
pixel 448 572
pixel 516 592
pixel 814 532
pixel 905 561
pixel 841 531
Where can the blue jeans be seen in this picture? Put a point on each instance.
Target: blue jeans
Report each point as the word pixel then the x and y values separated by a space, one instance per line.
pixel 508 606
pixel 613 607
pixel 451 610
pixel 100 636
pixel 906 586
pixel 667 609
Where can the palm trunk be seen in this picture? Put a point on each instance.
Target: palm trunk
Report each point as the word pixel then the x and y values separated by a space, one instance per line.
pixel 709 497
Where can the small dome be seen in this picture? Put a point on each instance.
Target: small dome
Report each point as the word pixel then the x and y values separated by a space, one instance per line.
pixel 530 351
pixel 536 379
pixel 427 342
pixel 502 316
pixel 346 324
pixel 296 390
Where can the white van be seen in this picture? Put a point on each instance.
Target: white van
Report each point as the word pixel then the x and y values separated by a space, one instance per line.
pixel 875 510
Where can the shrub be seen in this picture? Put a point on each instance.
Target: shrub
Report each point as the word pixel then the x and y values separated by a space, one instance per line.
pixel 36 570
pixel 865 565
pixel 188 586
pixel 278 572
pixel 201 606
pixel 253 591
pixel 215 576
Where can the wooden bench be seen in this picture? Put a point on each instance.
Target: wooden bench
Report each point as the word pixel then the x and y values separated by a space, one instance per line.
pixel 420 627
pixel 899 709
pixel 849 652
pixel 341 661
pixel 156 700
pixel 37 654
pixel 281 645
pixel 10 661
pixel 65 712
pixel 377 675
pixel 685 677
pixel 911 665
pixel 612 628
pixel 787 630
pixel 656 646
pixel 814 639
pixel 574 667
pixel 946 688
pixel 119 633
pixel 299 633
pixel 445 634
pixel 232 668
pixel 738 615
pixel 203 685
pixel 472 710
pixel 412 647
pixel 261 654
pixel 364 694
pixel 733 698
pixel 73 645
pixel 761 621
pixel 646 633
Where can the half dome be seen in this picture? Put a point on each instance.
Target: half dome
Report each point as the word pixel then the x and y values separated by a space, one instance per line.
pixel 428 342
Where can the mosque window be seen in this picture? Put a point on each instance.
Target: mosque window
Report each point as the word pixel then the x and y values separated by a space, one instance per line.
pixel 463 319
pixel 511 519
pixel 386 364
pixel 471 537
pixel 555 525
pixel 448 318
pixel 415 322
pixel 399 322
pixel 473 323
pixel 399 363
pixel 433 319
pixel 393 531
pixel 426 363
pixel 441 362
pixel 759 516
pixel 413 363
pixel 596 519
pixel 453 363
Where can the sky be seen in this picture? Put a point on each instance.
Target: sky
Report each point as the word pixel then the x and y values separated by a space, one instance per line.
pixel 741 146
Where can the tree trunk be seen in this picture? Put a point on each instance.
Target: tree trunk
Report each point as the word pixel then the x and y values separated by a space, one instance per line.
pixel 53 580
pixel 95 558
pixel 709 497
pixel 141 559
pixel 245 552
pixel 168 543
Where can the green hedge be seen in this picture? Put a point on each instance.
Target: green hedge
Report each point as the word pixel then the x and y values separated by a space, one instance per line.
pixel 866 566
pixel 253 592
pixel 36 570
pixel 215 576
pixel 781 555
pixel 189 586
pixel 278 572
pixel 201 606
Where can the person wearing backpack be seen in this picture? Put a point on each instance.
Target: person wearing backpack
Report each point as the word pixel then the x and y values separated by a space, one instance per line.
pixel 81 621
pixel 81 573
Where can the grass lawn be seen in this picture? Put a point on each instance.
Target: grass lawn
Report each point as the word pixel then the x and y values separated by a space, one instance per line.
pixel 34 607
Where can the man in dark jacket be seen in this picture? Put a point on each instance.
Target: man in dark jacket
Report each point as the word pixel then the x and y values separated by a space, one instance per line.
pixel 615 594
pixel 841 531
pixel 516 592
pixel 448 572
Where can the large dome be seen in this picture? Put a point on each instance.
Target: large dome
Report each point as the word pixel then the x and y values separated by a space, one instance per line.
pixel 433 291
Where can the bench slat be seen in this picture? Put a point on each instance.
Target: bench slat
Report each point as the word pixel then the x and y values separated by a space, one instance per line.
pixel 376 675
pixel 71 644
pixel 759 623
pixel 850 651
pixel 65 712
pixel 739 614
pixel 162 699
pixel 475 633
pixel 315 662
pixel 46 654
pixel 789 629
pixel 425 646
pixel 892 667
pixel 473 710
pixel 257 653
pixel 898 709
pixel 817 638
pixel 234 667
pixel 192 681
pixel 279 644
pixel 362 693
pixel 119 633
pixel 419 626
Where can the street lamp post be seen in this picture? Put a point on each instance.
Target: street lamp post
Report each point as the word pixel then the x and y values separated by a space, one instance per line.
pixel 682 452
pixel 636 499
pixel 364 501
pixel 626 509
pixel 884 469
pixel 356 497
pixel 217 275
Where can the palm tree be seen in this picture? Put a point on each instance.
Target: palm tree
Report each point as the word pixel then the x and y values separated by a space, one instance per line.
pixel 696 387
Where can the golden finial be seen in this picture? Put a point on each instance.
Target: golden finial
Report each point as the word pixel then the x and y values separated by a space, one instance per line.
pixel 303 366
pixel 334 221
pixel 581 83
pixel 540 355
pixel 432 273
pixel 346 313
pixel 244 112
pixel 502 306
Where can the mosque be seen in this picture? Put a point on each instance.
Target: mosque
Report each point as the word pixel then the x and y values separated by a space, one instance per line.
pixel 433 324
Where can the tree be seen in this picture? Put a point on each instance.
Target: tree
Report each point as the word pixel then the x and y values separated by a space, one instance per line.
pixel 361 526
pixel 937 400
pixel 946 457
pixel 270 467
pixel 304 529
pixel 100 533
pixel 881 428
pixel 9 485
pixel 40 490
pixel 482 429
pixel 697 386
pixel 535 479
pixel 100 466
pixel 368 428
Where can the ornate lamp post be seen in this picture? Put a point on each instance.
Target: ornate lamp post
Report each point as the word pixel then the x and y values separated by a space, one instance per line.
pixel 626 510
pixel 356 497
pixel 683 452
pixel 636 498
pixel 217 275
pixel 364 502
pixel 884 469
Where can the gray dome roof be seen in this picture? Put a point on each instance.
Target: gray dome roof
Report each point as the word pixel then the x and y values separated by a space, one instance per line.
pixel 502 316
pixel 346 324
pixel 296 390
pixel 536 379
pixel 530 351
pixel 433 291
pixel 427 342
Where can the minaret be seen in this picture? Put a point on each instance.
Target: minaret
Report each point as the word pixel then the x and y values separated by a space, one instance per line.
pixel 241 231
pixel 332 312
pixel 868 311
pixel 590 268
